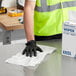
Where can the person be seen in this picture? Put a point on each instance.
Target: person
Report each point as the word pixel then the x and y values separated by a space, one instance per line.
pixel 44 18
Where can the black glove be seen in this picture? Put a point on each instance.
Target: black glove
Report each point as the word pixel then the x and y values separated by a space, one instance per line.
pixel 31 48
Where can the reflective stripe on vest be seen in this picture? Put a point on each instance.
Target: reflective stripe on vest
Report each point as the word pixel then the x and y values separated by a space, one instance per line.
pixel 45 8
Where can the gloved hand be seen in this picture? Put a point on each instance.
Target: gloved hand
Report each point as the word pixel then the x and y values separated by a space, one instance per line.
pixel 31 49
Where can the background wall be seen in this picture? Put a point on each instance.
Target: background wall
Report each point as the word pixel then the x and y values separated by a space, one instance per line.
pixel 9 3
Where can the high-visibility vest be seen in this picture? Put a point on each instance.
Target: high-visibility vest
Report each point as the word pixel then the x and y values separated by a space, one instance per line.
pixel 49 16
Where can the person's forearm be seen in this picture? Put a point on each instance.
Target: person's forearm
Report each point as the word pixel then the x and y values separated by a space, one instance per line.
pixel 29 22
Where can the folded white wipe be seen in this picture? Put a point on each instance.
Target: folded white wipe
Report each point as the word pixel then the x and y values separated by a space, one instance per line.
pixel 20 59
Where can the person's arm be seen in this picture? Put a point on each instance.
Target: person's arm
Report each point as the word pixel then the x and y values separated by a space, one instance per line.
pixel 31 46
pixel 29 19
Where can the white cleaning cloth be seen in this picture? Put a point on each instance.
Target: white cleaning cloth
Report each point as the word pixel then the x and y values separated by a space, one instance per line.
pixel 20 59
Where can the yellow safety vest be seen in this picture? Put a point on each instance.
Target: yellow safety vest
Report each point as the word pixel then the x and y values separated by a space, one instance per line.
pixel 49 16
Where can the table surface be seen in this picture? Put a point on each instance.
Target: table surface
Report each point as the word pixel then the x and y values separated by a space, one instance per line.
pixel 51 67
pixel 55 65
pixel 10 23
